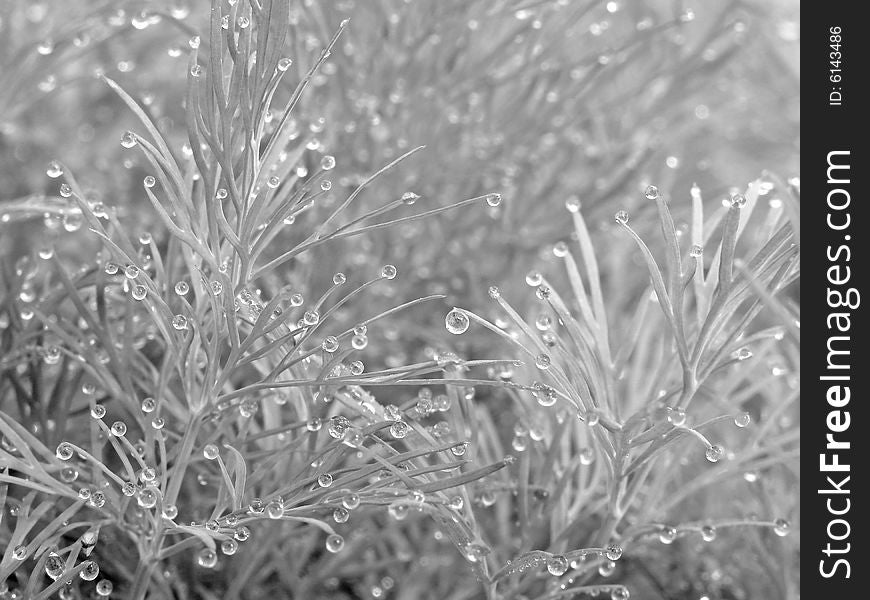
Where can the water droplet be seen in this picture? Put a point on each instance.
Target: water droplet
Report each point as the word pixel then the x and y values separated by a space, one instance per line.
pixel 51 355
pixel 339 278
pixel 131 271
pixel 129 139
pixel 620 593
pixel 182 288
pixel 607 568
pixel 334 543
pixel 543 361
pixel 475 552
pixel 311 318
pixel 139 292
pixel 206 558
pixel 651 192
pixel 179 322
pixel 243 22
pixel 351 501
pixel 708 533
pixel 90 572
pixel 560 250
pixel 781 527
pixel 573 204
pixel 399 429
pixel 54 169
pixel 275 509
pixel 147 497
pixel 210 451
pixel 494 292
pixel 19 552
pixel 457 321
pixel 158 423
pixel 196 70
pixel 324 480
pixel 327 163
pixel 737 200
pixel 743 419
pixel 714 453
pixel 54 566
pixel 45 47
pixel 119 428
pixel 248 408
pixel 98 411
pixel 284 63
pixel 493 199
pixel 340 515
pixel 613 552
pixel 229 547
pixel 557 565
pixel 273 181
pixel 216 287
pixel 329 344
pixel 696 251
pixel 667 535
pixel 338 427
pixel 587 456
pixel 65 190
pixel 64 451
pixel 621 217
pixel 534 279
pixel 359 342
pixel 389 272
pixel 69 474
pixel 743 354
pixel 149 181
pixel 677 417
pixel 104 587
pixel 410 198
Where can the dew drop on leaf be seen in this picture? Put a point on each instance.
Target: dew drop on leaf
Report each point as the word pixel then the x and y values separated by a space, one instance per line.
pixel 557 565
pixel 334 543
pixel 206 558
pixel 129 139
pixel 91 571
pixel 493 200
pixel 714 453
pixel 104 587
pixel 54 169
pixel 708 533
pixel 457 321
pixel 781 527
pixel 667 535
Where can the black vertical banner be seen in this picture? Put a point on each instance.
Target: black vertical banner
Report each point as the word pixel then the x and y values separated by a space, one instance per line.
pixel 834 421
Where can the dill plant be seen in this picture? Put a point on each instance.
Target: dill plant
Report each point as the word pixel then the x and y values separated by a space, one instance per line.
pixel 190 414
pixel 624 427
pixel 164 401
